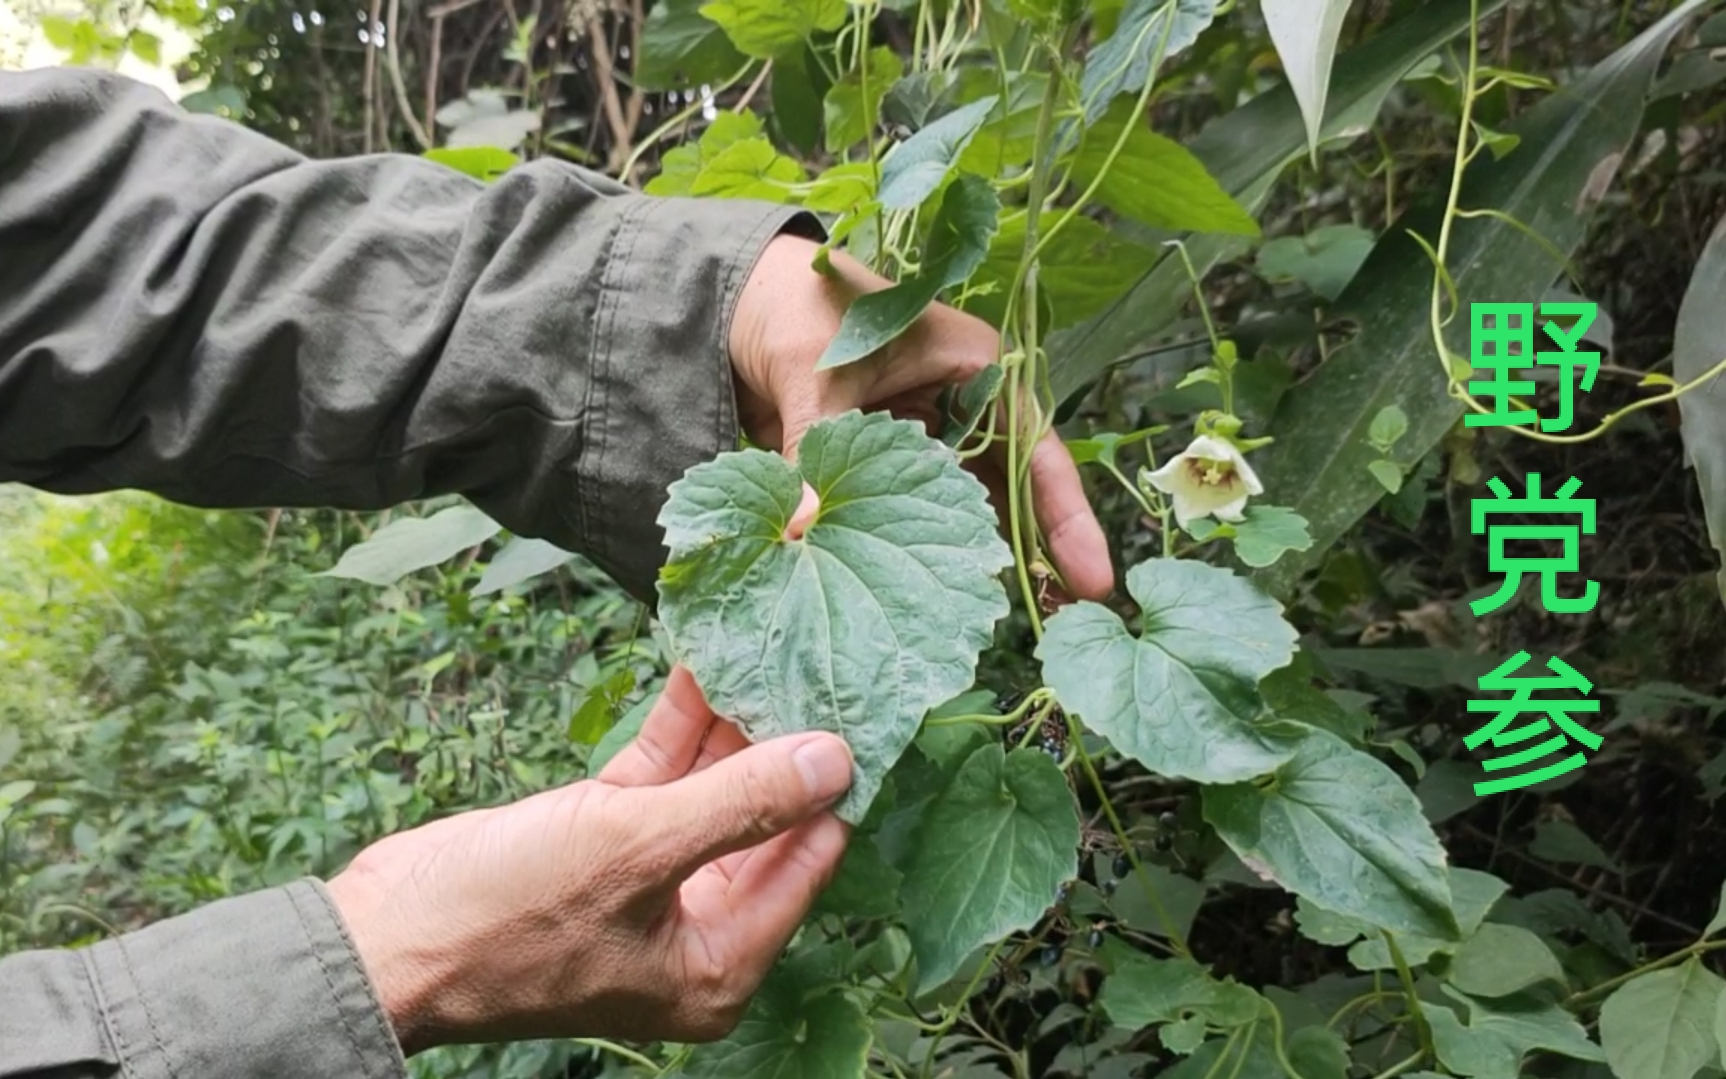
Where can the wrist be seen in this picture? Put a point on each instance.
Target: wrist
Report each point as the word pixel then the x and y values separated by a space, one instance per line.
pixel 405 978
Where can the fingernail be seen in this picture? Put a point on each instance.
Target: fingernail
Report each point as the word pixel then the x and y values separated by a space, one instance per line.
pixel 825 763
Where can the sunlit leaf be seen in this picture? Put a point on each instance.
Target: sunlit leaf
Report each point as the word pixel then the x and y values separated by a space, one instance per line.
pixel 770 28
pixel 413 543
pixel 1155 180
pixel 1305 33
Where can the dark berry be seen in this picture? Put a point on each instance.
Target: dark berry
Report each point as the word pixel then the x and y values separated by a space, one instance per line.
pixel 1064 892
pixel 1167 822
pixel 1123 866
pixel 1163 843
pixel 1095 937
pixel 1050 955
pixel 1110 885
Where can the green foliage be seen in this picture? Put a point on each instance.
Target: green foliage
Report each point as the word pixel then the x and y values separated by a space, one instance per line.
pixel 897 575
pixel 990 851
pixel 1050 880
pixel 1181 697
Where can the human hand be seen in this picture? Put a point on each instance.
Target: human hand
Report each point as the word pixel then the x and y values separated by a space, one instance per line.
pixel 645 904
pixel 786 315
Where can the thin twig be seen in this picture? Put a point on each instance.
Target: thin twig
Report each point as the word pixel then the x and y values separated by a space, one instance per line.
pixel 391 32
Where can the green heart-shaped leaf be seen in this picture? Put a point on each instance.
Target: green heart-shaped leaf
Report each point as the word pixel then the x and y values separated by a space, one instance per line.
pixel 1182 696
pixel 1339 828
pixel 990 852
pixel 874 616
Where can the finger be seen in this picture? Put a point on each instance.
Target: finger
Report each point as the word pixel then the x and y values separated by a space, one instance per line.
pixel 1069 525
pixel 750 916
pixel 671 738
pixel 741 801
pixel 807 508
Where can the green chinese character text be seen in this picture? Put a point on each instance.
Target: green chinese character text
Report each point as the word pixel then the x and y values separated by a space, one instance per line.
pixel 1556 713
pixel 1548 567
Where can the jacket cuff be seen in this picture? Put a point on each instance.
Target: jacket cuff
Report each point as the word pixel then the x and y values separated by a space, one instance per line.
pixel 262 984
pixel 660 397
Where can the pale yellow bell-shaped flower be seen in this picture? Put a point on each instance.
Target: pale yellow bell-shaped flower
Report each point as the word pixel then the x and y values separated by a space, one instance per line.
pixel 1210 478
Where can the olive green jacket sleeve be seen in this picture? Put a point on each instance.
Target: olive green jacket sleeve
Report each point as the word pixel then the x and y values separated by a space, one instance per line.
pixel 189 308
pixel 192 309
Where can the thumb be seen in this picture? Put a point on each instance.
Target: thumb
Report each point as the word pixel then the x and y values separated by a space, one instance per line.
pixel 747 798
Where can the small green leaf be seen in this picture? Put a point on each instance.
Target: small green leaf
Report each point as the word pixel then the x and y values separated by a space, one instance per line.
pixel 1500 1035
pixel 874 616
pixel 751 169
pixel 621 734
pixel 597 712
pixel 917 167
pixel 1661 1025
pixel 1339 828
pixel 1561 841
pixel 1155 180
pixel 1305 34
pixel 682 165
pixel 226 101
pixel 16 791
pixel 485 163
pixel 1181 697
pixel 957 243
pixel 851 115
pixel 520 560
pixel 1502 959
pixel 1143 991
pixel 842 189
pixel 769 28
pixel 1386 472
pixel 1318 1053
pixel 1388 426
pixel 1149 33
pixel 1498 142
pixel 990 852
pixel 1266 533
pixel 413 543
pixel 680 47
pixel 1324 260
pixel 145 46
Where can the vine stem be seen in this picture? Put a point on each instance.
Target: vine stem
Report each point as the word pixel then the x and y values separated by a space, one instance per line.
pixel 623 1051
pixel 1162 912
pixel 952 1016
pixel 1121 139
pixel 1400 1066
pixel 1471 91
pixel 1701 947
pixel 1404 975
pixel 676 121
pixel 1025 284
